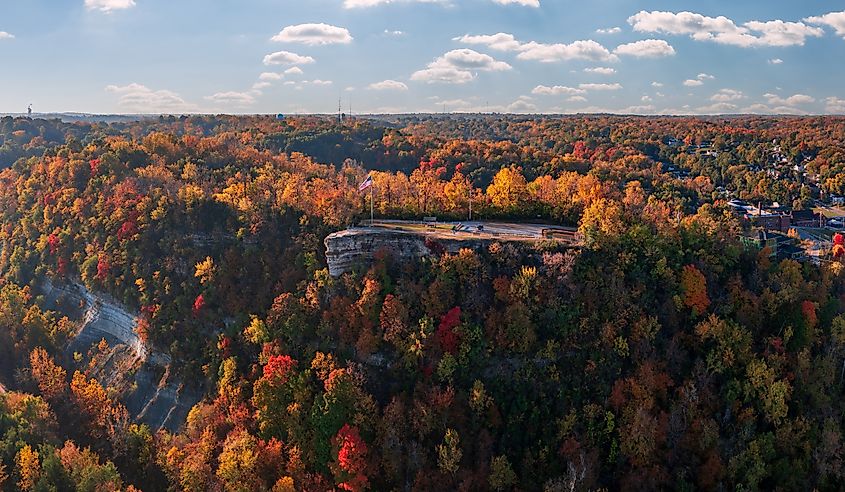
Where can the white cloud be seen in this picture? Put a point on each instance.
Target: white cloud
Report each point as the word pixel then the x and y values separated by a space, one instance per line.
pixel 775 61
pixel 456 66
pixel 601 70
pixel 647 48
pixel 139 98
pixel 794 100
pixel 388 85
pixel 232 98
pixel 525 3
pixel 388 32
pixel 313 34
pixel 718 108
pixel 698 80
pixel 836 20
pixel 270 76
pixel 294 71
pixel 577 99
pixel 727 95
pixel 724 30
pixel 5 35
pixel 109 5
pixel 500 41
pixel 600 87
pixel 646 98
pixel 286 58
pixel 319 82
pixel 261 85
pixel 523 104
pixel 557 90
pixel 547 53
pixel 657 84
pixel 578 50
pixel 835 105
pixel 355 4
pixel 609 30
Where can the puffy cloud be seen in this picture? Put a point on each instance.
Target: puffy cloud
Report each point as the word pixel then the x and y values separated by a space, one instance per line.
pixel 578 50
pixel 313 34
pixel 270 76
pixel 557 90
pixel 523 104
pixel 109 5
pixel 698 80
pixel 718 108
pixel 727 95
pixel 294 71
pixel 5 35
pixel 232 98
pixel 286 58
pixel 601 70
pixel 319 82
pixel 657 84
pixel 388 85
pixel 577 99
pixel 609 30
pixel 600 87
pixel 836 20
pixel 468 59
pixel 775 61
pixel 456 66
pixel 388 32
pixel 724 30
pixel 835 105
pixel 261 85
pixel 139 98
pixel 794 100
pixel 499 41
pixel 532 50
pixel 647 48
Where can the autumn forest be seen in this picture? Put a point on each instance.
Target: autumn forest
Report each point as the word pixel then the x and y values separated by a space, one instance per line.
pixel 671 350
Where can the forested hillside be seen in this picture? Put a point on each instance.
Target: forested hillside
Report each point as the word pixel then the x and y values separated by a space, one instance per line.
pixel 664 354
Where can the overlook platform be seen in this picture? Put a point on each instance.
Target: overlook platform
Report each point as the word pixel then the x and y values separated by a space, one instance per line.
pixel 410 240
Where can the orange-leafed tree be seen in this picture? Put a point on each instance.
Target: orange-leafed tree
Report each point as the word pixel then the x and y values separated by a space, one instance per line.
pixel 694 288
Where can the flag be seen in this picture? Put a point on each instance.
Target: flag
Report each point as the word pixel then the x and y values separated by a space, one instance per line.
pixel 366 183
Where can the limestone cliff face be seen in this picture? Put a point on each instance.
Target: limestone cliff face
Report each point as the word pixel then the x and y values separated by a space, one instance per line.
pixel 358 246
pixel 150 391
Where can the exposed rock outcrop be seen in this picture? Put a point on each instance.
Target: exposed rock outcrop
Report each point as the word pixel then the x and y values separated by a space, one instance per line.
pixel 144 378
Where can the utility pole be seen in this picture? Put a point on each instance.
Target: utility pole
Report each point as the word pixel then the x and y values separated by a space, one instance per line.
pixel 372 204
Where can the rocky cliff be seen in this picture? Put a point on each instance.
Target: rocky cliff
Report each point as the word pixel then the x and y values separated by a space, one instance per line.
pixel 148 387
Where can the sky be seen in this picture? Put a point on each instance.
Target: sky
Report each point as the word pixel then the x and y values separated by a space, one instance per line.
pixel 402 56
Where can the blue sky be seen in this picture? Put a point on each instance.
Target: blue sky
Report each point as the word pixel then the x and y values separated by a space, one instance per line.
pixel 268 56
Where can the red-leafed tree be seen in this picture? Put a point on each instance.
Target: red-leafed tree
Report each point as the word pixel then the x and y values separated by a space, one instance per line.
pixel 351 465
pixel 278 369
pixel 446 335
pixel 199 305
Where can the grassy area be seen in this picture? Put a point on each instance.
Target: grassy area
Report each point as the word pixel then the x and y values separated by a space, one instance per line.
pixel 830 211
